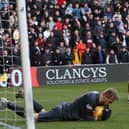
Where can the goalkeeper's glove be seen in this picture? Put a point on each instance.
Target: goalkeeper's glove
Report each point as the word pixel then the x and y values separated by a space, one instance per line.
pixel 102 113
pixel 106 113
pixel 98 112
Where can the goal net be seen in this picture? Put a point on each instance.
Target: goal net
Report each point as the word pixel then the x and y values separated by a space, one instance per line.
pixel 14 64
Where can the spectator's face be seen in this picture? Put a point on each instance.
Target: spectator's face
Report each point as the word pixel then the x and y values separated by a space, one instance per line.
pixel 77 5
pixel 112 52
pixel 94 45
pixel 111 25
pixel 57 50
pixel 57 13
pixel 99 22
pixel 113 33
pixel 3 37
pixel 88 49
pixel 5 53
pixel 86 5
pixel 46 50
pixel 65 27
pixel 101 34
pixel 36 43
pixel 51 18
pixel 70 5
pixel 91 16
pixel 76 32
pixel 123 49
pixel 69 50
pixel 40 35
pixel 67 20
pixel 99 47
pixel 62 44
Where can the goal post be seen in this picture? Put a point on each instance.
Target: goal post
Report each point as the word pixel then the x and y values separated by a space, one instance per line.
pixel 25 64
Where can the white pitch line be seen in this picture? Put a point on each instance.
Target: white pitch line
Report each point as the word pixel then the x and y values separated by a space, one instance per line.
pixel 8 126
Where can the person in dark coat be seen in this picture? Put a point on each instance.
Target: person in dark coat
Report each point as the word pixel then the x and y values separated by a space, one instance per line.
pixel 57 57
pixel 87 57
pixel 68 56
pixel 124 55
pixel 46 58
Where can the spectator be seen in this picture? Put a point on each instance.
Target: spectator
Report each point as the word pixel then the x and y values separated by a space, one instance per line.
pixel 47 57
pixel 6 59
pixel 101 40
pixel 108 10
pixel 75 37
pixel 77 59
pixel 111 40
pixel 76 11
pixel 13 19
pixel 53 40
pixel 16 35
pixel 58 35
pixel 87 57
pixel 62 48
pixel 68 57
pixel 112 57
pixel 123 35
pixel 60 2
pixel 40 40
pixel 5 17
pixel 93 52
pixel 81 46
pixel 85 11
pixel 69 9
pixel 110 28
pixel 35 54
pixel 59 24
pixel 98 28
pixel 117 46
pixel 46 33
pixel 66 35
pixel 89 39
pixel 100 55
pixel 16 55
pixel 52 22
pixel 124 55
pixel 127 21
pixel 117 20
pixel 4 3
pixel 57 57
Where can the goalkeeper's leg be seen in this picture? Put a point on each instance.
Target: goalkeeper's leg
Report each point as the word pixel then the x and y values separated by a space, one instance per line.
pixel 4 103
pixel 18 109
pixel 37 107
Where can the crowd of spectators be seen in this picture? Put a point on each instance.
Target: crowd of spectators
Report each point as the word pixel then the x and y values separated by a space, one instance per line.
pixel 65 32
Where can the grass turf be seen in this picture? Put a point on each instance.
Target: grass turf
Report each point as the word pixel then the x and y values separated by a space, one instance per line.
pixel 50 96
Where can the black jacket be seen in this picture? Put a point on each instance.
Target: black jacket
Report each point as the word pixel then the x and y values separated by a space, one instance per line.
pixel 82 108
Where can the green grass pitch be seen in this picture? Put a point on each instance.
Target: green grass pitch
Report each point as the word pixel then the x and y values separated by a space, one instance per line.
pixel 50 96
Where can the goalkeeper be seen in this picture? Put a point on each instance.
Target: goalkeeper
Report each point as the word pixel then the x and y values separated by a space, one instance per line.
pixel 91 106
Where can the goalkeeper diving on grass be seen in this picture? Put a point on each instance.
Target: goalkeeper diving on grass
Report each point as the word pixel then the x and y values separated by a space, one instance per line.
pixel 92 106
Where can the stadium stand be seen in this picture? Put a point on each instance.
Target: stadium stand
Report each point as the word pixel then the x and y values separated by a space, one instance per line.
pixel 101 25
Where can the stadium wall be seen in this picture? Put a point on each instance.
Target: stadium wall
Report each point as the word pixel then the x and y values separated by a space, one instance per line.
pixel 60 75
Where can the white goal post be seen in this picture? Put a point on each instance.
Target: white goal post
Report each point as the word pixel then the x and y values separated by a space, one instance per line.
pixel 25 64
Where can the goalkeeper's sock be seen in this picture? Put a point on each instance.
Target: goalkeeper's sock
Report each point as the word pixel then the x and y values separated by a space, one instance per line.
pixel 18 110
pixel 37 107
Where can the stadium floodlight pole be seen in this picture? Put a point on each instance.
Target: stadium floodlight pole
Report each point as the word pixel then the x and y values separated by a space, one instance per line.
pixel 30 123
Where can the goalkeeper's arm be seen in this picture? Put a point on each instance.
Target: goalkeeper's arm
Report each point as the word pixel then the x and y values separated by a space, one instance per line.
pixel 101 113
pixel 106 113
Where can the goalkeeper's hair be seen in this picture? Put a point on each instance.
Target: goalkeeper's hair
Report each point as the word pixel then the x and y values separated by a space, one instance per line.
pixel 111 93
